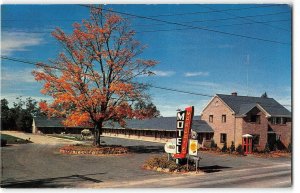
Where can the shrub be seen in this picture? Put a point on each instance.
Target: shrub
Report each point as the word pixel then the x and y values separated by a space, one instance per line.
pixel 3 142
pixel 240 149
pixel 267 148
pixel 156 161
pixel 213 144
pixel 232 147
pixel 162 162
pixel 255 150
pixel 224 148
pixel 289 149
pixel 275 147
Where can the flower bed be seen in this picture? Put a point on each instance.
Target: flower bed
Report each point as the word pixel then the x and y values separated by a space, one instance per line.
pixel 91 150
pixel 262 154
pixel 161 164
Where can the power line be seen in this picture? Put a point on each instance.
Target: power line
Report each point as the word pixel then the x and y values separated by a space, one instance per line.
pixel 247 19
pixel 190 28
pixel 221 19
pixel 200 28
pixel 161 15
pixel 241 17
pixel 180 91
pixel 208 20
pixel 159 30
pixel 41 64
pixel 157 87
pixel 204 12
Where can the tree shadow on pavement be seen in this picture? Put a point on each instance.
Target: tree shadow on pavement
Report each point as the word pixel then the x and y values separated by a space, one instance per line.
pixel 58 182
pixel 146 149
pixel 212 169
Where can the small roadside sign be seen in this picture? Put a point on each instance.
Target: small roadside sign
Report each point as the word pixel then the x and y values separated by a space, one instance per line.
pixel 170 147
pixel 193 147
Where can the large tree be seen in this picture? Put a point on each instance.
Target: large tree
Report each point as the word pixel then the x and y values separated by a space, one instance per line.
pixel 95 78
pixel 19 117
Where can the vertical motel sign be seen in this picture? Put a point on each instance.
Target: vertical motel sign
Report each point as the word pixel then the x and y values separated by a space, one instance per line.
pixel 184 124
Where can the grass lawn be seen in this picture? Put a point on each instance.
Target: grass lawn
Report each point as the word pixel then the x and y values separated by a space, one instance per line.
pixel 67 137
pixel 13 140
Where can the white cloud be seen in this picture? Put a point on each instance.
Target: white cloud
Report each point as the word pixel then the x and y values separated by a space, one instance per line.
pixel 202 84
pixel 189 74
pixel 163 73
pixel 18 41
pixel 8 76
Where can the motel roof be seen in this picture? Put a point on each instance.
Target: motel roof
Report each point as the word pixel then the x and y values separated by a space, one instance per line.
pixel 159 123
pixel 243 104
pixel 44 121
pixel 162 123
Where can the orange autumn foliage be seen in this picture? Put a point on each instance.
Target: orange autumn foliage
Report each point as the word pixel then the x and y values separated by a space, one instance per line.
pixel 95 79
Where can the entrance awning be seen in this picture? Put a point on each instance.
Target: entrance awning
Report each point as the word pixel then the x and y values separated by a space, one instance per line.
pixel 247 136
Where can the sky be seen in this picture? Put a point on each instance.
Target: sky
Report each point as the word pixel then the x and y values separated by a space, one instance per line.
pixel 243 48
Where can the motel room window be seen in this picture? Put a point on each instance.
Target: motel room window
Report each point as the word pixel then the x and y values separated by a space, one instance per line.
pixel 211 118
pixel 223 138
pixel 223 118
pixel 255 118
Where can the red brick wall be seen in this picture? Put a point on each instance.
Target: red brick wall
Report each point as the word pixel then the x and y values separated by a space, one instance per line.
pixel 217 108
pixel 284 131
pixel 260 129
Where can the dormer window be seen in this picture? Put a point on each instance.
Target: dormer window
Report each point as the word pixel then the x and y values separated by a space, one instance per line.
pixel 278 120
pixel 255 118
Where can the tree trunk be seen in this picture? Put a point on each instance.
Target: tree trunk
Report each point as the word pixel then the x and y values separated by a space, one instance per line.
pixel 97 134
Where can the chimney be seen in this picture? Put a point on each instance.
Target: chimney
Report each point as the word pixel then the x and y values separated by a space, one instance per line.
pixel 234 94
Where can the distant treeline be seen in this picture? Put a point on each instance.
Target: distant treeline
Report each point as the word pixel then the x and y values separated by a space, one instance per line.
pixel 20 115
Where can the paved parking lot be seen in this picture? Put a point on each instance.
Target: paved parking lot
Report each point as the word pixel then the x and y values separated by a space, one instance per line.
pixel 41 165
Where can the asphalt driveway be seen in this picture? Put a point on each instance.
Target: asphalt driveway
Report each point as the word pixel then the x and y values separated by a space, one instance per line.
pixel 41 165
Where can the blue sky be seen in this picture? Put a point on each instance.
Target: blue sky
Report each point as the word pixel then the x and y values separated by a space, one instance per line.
pixel 192 60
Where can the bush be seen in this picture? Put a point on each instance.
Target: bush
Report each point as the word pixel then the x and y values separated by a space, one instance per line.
pixel 213 144
pixel 255 150
pixel 3 142
pixel 240 149
pixel 289 149
pixel 224 148
pixel 275 147
pixel 267 148
pixel 232 147
pixel 162 162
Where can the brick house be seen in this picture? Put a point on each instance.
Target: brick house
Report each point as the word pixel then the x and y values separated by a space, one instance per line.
pixel 232 116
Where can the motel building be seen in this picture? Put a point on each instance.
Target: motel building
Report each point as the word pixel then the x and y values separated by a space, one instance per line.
pixel 243 120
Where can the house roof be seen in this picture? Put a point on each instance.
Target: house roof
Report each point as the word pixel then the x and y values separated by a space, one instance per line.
pixel 243 104
pixel 162 123
pixel 159 123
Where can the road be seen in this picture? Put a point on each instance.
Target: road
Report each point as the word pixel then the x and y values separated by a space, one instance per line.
pixel 41 165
